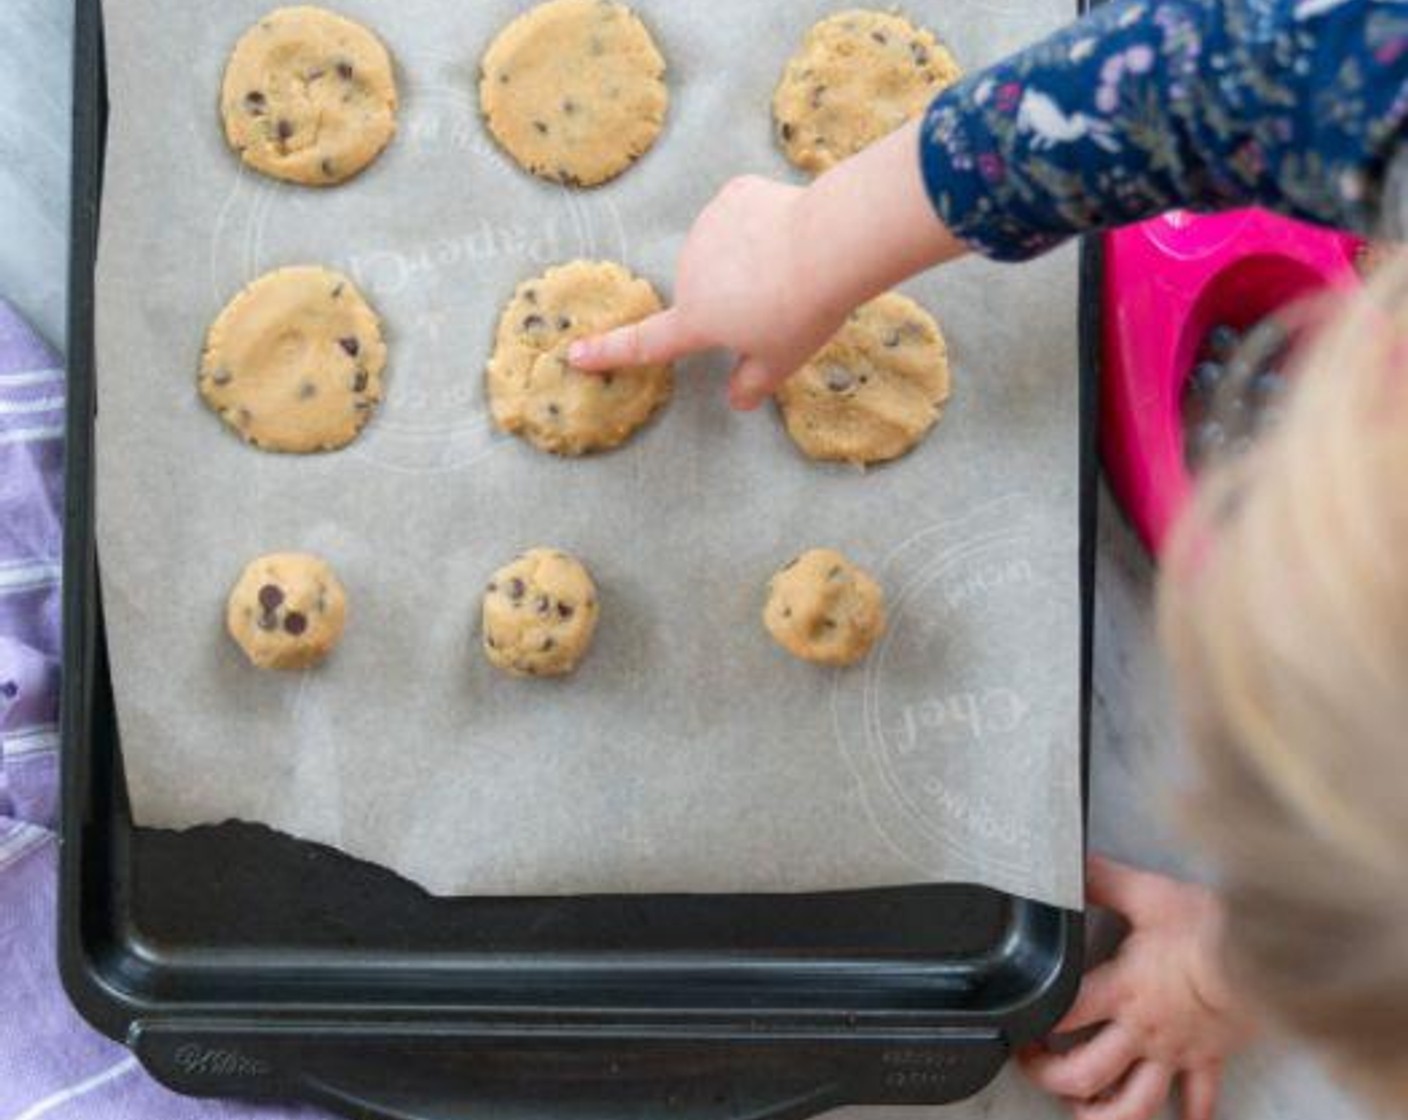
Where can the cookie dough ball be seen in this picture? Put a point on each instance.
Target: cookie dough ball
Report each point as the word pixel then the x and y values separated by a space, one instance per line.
pixel 823 608
pixel 872 392
pixel 539 614
pixel 535 393
pixel 287 611
pixel 858 76
pixel 574 90
pixel 308 97
pixel 294 361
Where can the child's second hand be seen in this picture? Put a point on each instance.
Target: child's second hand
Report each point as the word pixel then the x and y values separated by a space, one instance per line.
pixel 770 271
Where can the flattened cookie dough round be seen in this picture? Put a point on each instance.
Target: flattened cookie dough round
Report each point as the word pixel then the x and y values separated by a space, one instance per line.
pixel 872 392
pixel 535 393
pixel 540 612
pixel 293 363
pixel 823 608
pixel 858 76
pixel 308 96
pixel 574 90
pixel 287 611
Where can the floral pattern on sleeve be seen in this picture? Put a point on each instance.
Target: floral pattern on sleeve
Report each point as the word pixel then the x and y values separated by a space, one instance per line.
pixel 1148 105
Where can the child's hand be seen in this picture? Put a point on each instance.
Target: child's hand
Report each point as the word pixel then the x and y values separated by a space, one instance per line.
pixel 743 285
pixel 1162 1007
pixel 771 271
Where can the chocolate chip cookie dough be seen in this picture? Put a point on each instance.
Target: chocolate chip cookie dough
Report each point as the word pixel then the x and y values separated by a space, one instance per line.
pixel 574 90
pixel 287 611
pixel 534 392
pixel 308 96
pixel 824 609
pixel 872 392
pixel 540 613
pixel 858 76
pixel 293 363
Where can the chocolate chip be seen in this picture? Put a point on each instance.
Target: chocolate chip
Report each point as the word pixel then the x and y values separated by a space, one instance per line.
pixel 517 588
pixel 554 409
pixel 828 624
pixel 786 130
pixel 337 289
pixel 548 644
pixel 359 381
pixel 489 642
pixel 565 610
pixel 307 391
pixel 254 103
pixel 839 380
pixel 314 75
pixel 834 573
pixel 350 344
pixel 295 623
pixel 530 294
pixel 817 94
pixel 541 126
pixel 608 379
pixel 271 598
pixel 569 106
pixel 880 37
pixel 503 77
pixel 564 323
pixel 493 586
pixel 284 129
pixel 327 168
pixel 567 179
pixel 344 71
pixel 786 612
pixel 920 53
pixel 534 323
pixel 892 340
pixel 267 621
pixel 221 376
pixel 543 604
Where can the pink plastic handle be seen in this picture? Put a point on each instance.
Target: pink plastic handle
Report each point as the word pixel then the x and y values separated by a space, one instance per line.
pixel 1167 283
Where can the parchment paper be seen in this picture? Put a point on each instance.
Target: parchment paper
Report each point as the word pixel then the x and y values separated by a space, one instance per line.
pixel 688 753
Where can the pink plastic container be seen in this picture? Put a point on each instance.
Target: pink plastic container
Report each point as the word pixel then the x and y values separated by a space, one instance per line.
pixel 1166 283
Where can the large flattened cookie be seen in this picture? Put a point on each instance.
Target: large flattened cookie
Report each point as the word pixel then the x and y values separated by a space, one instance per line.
pixel 308 96
pixel 574 90
pixel 872 392
pixel 859 76
pixel 534 392
pixel 293 363
pixel 540 613
pixel 287 611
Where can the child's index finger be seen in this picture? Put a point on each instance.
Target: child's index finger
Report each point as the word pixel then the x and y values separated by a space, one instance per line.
pixel 660 338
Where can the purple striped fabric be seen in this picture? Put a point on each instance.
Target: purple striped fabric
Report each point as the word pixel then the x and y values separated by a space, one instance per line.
pixel 52 1065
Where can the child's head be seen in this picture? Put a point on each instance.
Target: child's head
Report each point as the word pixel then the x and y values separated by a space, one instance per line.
pixel 1285 610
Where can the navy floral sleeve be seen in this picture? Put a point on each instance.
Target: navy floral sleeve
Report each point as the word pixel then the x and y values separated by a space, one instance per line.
pixel 1147 105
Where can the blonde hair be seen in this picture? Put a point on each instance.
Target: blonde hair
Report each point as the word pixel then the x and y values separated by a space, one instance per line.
pixel 1284 609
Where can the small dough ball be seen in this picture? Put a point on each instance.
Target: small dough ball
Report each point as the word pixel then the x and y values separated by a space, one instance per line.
pixel 875 390
pixel 540 613
pixel 293 363
pixel 823 608
pixel 287 611
pixel 308 96
pixel 574 90
pixel 858 76
pixel 535 393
